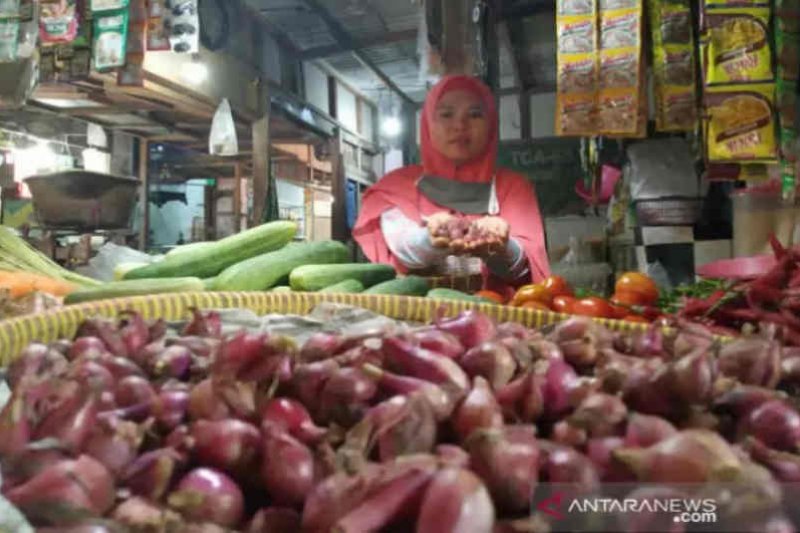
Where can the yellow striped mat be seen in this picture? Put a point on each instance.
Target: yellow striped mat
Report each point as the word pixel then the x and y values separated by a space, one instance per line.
pixel 62 323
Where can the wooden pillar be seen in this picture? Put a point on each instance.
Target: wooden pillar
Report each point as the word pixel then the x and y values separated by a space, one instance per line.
pixel 525 114
pixel 261 170
pixel 144 194
pixel 338 190
pixel 237 196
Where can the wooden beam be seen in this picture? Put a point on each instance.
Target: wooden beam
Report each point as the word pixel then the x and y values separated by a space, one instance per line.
pixel 261 163
pixel 387 38
pixel 144 194
pixel 343 37
pixel 338 191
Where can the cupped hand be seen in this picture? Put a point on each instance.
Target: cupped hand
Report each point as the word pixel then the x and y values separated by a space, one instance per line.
pixel 487 236
pixel 439 228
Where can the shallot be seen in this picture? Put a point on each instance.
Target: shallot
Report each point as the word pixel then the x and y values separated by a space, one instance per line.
pixel 456 502
pixel 424 364
pixel 206 495
pixel 86 347
pixel 439 342
pixel 491 360
pixel 72 422
pixel 115 443
pixel 294 418
pixel 645 430
pixel 151 474
pixel 228 445
pixel 775 423
pixel 287 467
pixel 478 410
pixel 471 328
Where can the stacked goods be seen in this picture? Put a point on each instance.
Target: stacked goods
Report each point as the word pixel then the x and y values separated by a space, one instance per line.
pixel 398 429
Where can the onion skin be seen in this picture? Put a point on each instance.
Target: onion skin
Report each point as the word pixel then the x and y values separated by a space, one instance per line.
pixel 490 360
pixel 775 423
pixel 569 435
pixel 471 328
pixel 89 347
pixel 783 465
pixel 71 423
pixel 204 403
pixel 107 331
pixel 139 514
pixel 337 495
pixel 37 362
pixel 92 374
pixel 456 502
pixel 600 451
pixel 203 325
pixel 479 410
pixel 287 467
pixel 206 495
pixel 309 379
pixel 134 390
pixel 600 414
pixel 691 456
pixel 692 378
pixel 292 416
pixel 81 484
pixel 151 474
pixel 423 364
pixel 231 445
pixel 405 425
pixel 644 430
pixel 344 395
pixel 319 346
pixel 523 398
pixel 174 362
pixel 115 444
pixel 443 404
pixel 438 341
pixel 134 333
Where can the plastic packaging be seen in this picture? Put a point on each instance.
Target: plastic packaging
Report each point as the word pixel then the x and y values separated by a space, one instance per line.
pixel 661 168
pixel 741 123
pixel 223 140
pixel 58 21
pixel 759 213
pixel 110 39
pixel 183 25
pixel 737 45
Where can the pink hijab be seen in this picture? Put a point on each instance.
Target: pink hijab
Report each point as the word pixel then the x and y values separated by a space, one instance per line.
pixel 517 198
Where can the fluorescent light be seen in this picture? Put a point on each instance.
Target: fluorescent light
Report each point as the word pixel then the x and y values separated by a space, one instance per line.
pixel 194 72
pixel 392 127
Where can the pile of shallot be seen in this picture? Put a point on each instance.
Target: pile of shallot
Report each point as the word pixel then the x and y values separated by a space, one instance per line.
pixel 459 426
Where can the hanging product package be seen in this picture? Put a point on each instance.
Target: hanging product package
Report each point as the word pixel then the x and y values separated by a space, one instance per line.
pixel 223 140
pixel 183 26
pixel 741 123
pixel 9 40
pixel 619 105
pixel 110 39
pixel 577 68
pixel 102 6
pixel 736 46
pixel 58 21
pixel 9 8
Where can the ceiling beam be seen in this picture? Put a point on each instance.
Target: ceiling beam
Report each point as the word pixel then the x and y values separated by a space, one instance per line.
pixel 387 38
pixel 344 38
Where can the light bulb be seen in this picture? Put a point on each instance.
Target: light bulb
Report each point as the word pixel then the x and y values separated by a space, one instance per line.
pixel 392 127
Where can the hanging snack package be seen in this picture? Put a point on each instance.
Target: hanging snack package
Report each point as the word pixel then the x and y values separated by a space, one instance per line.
pixel 575 115
pixel 677 109
pixel 741 123
pixel 737 46
pixel 58 21
pixel 9 8
pixel 609 5
pixel 619 69
pixel 575 7
pixel 576 35
pixel 577 73
pixel 9 39
pixel 620 28
pixel 618 111
pixel 110 39
pixel 577 68
pixel 103 6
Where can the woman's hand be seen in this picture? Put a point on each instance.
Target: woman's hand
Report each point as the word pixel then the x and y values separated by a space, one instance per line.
pixel 444 229
pixel 487 236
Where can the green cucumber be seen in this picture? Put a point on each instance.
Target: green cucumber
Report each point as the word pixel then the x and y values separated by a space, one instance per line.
pixel 407 286
pixel 450 294
pixel 281 288
pixel 139 287
pixel 209 260
pixel 265 271
pixel 348 286
pixel 313 277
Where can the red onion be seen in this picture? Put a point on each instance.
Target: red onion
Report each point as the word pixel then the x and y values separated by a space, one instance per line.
pixel 508 462
pixel 600 414
pixel 82 485
pixel 151 474
pixel 523 398
pixel 71 422
pixel 274 520
pixel 542 349
pixel 15 429
pixel 36 457
pixel 204 404
pixel 742 399
pixel 396 498
pixel 121 367
pixel 203 325
pixel 170 408
pixel 202 347
pixel 423 364
pixel 451 455
pixel 206 495
pixel 91 374
pixel 692 378
pixel 456 502
pixel 564 465
pixel 61 346
pixel 287 467
pixel 228 445
pixel 320 345
pixel 491 360
pixel 134 390
pixel 569 435
pixel 691 456
pixel 343 394
pixel 294 418
pixel 84 347
pixel 559 379
pixel 478 410
pixel 775 423
pixel 174 362
pixel 441 402
pixel 239 352
pixel 752 361
pixel 138 514
pixel 134 332
pixel 471 328
pixel 115 444
pixel 36 362
pixel 180 439
pixel 783 465
pixel 308 381
pixel 514 330
pixel 439 342
pixel 599 451
pixel 644 430
pixel 337 495
pixel 790 370
pixel 404 425
pixel 107 331
pixel 648 389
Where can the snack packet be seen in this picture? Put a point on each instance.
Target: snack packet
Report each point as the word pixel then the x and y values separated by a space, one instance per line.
pixel 618 111
pixel 577 73
pixel 741 123
pixel 737 46
pixel 575 115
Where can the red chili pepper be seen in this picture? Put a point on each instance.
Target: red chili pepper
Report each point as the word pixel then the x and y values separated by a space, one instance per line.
pixel 791 337
pixel 741 315
pixel 777 275
pixel 777 248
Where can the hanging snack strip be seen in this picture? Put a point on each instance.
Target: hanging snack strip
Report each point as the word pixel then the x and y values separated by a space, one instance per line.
pixel 787 47
pixel 10 26
pixel 111 19
pixel 576 22
pixel 673 65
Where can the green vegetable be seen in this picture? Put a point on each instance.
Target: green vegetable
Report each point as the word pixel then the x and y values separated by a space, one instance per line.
pixel 191 247
pixel 313 277
pixel 265 271
pixel 281 288
pixel 407 286
pixel 450 294
pixel 348 286
pixel 208 283
pixel 139 287
pixel 208 261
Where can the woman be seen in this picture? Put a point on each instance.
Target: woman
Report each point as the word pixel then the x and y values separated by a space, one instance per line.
pixel 407 217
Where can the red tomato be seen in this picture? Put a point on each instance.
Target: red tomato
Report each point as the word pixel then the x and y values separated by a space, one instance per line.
pixel 491 295
pixel 564 304
pixel 532 304
pixel 532 293
pixel 636 318
pixel 627 298
pixel 557 286
pixel 619 311
pixel 639 284
pixel 593 307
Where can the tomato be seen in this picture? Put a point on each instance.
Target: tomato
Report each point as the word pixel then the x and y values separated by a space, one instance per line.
pixel 532 304
pixel 533 293
pixel 564 304
pixel 491 295
pixel 558 286
pixel 630 299
pixel 618 311
pixel 593 307
pixel 636 318
pixel 637 283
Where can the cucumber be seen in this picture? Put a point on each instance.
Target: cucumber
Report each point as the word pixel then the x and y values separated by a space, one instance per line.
pixel 281 288
pixel 407 286
pixel 139 287
pixel 208 261
pixel 208 283
pixel 313 277
pixel 191 247
pixel 450 294
pixel 348 286
pixel 265 271
pixel 123 268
